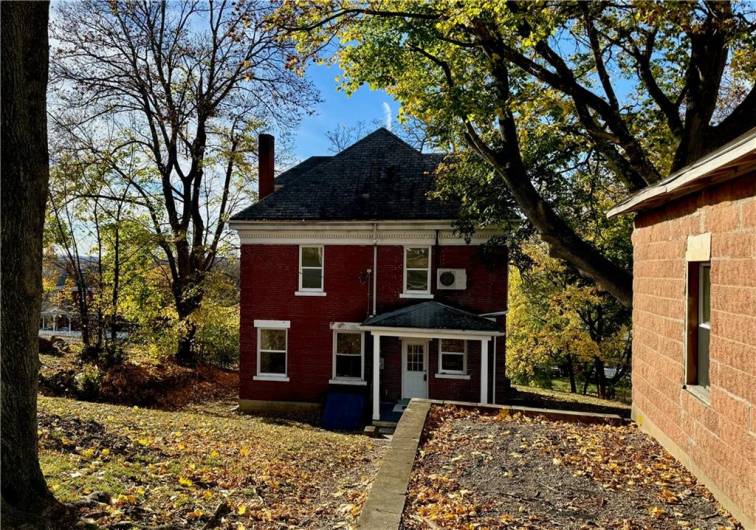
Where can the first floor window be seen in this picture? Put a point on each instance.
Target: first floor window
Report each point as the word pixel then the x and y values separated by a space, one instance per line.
pixel 699 323
pixel 453 356
pixel 271 351
pixel 348 355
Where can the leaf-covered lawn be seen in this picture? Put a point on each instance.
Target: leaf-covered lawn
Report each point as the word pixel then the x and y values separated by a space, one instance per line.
pixel 174 469
pixel 478 470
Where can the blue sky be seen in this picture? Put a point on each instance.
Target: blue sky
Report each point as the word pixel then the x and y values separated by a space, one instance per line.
pixel 365 105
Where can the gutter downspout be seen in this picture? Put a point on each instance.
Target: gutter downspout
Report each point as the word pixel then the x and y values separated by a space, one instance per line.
pixel 375 267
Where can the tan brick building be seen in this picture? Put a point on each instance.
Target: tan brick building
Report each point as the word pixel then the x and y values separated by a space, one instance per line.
pixel 694 319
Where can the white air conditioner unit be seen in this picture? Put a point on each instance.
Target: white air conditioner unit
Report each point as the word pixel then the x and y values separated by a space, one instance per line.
pixel 455 279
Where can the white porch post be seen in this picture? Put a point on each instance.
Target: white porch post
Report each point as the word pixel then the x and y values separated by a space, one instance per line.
pixel 484 370
pixel 376 377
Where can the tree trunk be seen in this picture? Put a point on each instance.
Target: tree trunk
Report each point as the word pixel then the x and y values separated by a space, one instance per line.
pixel 186 304
pixel 185 350
pixel 25 174
pixel 571 373
pixel 600 379
pixel 587 380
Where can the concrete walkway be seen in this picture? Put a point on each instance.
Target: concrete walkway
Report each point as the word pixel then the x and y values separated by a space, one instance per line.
pixel 385 503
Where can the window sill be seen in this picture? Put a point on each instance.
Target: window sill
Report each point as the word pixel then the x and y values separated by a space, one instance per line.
pixel 278 378
pixel 701 393
pixel 309 293
pixel 356 382
pixel 452 376
pixel 427 296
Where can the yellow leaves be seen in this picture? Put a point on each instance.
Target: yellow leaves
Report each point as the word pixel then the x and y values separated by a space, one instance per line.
pixel 656 512
pixel 195 514
pixel 242 509
pixel 87 453
pixel 124 499
pixel 668 497
pixel 244 452
pixel 144 442
pixel 185 482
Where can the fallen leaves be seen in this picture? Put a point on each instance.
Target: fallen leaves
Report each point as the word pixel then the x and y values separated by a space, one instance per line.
pixel 175 468
pixel 478 470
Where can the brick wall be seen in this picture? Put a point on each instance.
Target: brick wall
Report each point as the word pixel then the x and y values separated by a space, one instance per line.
pixel 269 278
pixel 719 438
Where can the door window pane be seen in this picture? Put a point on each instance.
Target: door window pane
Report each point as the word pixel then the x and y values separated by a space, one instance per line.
pixel 415 358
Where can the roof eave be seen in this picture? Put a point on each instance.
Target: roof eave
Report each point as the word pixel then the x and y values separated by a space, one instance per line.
pixel 442 333
pixel 730 161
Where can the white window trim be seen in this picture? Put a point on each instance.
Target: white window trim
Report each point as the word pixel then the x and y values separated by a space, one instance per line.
pixel 452 376
pixel 348 380
pixel 410 293
pixel 454 373
pixel 265 376
pixel 308 291
pixel 273 324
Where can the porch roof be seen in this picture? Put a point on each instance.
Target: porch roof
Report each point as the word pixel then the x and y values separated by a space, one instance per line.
pixel 433 315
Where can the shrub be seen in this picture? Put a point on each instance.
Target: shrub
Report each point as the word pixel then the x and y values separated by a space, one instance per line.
pixel 87 382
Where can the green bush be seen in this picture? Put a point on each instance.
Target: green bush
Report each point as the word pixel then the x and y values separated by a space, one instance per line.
pixel 87 382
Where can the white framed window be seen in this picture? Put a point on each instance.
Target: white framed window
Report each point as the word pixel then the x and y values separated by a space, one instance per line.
pixel 272 350
pixel 417 270
pixel 310 269
pixel 452 357
pixel 348 357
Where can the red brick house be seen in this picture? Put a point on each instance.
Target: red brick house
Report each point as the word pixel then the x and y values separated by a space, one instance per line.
pixel 694 319
pixel 353 278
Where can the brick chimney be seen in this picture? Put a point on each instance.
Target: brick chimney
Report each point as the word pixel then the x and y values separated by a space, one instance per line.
pixel 266 159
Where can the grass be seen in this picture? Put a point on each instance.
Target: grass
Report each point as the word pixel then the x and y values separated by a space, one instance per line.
pixel 624 393
pixel 556 399
pixel 178 469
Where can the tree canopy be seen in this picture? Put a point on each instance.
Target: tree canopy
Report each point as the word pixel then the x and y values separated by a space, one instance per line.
pixel 539 90
pixel 180 89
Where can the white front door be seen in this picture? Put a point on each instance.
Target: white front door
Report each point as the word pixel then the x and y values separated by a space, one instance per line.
pixel 414 369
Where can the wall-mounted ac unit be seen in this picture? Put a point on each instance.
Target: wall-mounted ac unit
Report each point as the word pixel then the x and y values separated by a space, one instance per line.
pixel 451 279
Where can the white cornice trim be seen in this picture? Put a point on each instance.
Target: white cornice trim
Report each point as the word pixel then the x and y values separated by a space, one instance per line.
pixel 357 234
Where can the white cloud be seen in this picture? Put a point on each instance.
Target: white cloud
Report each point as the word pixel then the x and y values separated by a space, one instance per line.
pixel 387 116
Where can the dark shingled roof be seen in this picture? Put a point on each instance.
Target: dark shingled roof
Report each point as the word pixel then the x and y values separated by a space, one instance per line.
pixel 378 178
pixel 432 315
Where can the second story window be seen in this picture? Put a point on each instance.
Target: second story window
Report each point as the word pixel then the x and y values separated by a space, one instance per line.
pixel 311 268
pixel 417 261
